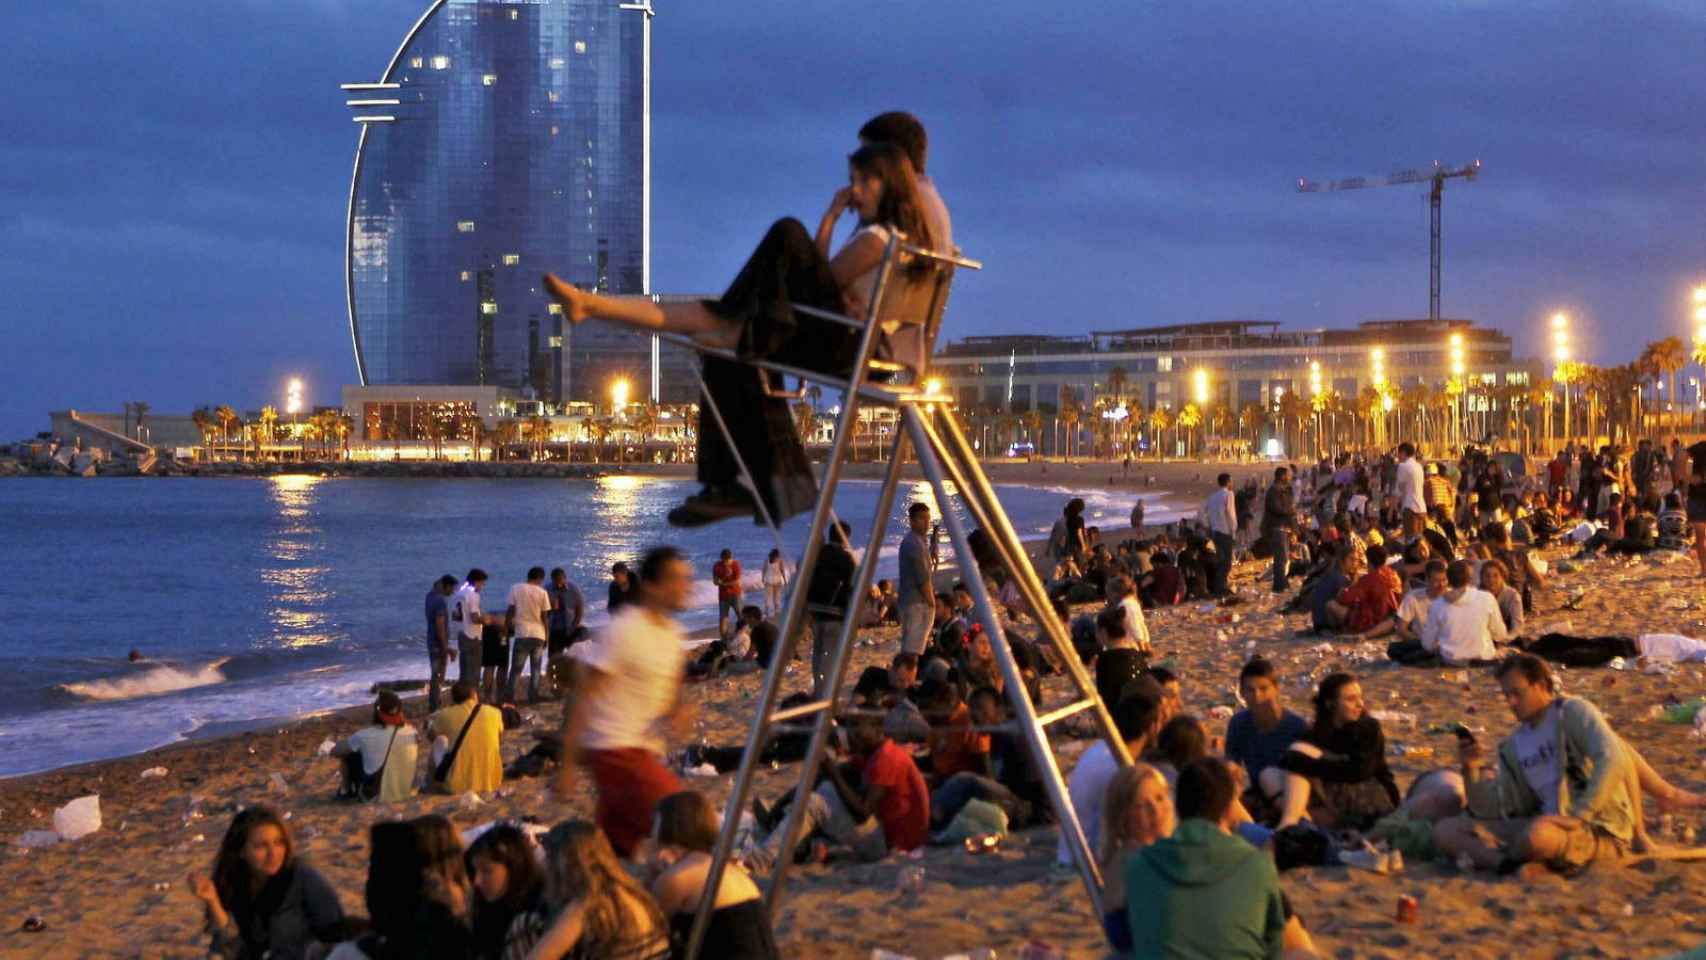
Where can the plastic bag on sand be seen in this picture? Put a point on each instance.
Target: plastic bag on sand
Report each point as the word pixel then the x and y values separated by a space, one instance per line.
pixel 702 770
pixel 36 839
pixel 153 772
pixel 326 747
pixel 79 818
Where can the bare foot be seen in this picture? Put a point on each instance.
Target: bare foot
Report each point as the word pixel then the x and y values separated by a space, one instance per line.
pixel 568 296
pixel 1679 799
pixel 1640 842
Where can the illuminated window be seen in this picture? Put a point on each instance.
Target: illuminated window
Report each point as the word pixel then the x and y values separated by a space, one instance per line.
pixel 467 276
pixel 441 62
pixel 417 62
pixel 553 96
pixel 554 308
pixel 556 343
pixel 511 259
pixel 515 14
pixel 558 63
pixel 1164 364
pixel 489 79
pixel 580 46
pixel 464 226
pixel 488 307
pixel 553 130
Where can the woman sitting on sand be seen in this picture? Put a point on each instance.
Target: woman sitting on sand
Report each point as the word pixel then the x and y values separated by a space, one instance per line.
pixel 260 900
pixel 593 908
pixel 417 894
pixel 508 881
pixel 1336 773
pixel 755 318
pixel 1138 811
pixel 685 831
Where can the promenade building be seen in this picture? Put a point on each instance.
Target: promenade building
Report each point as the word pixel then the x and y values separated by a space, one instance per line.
pixel 1237 364
pixel 504 139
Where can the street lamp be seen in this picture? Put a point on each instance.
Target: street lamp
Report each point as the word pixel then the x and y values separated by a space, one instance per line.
pixel 1199 391
pixel 1377 376
pixel 619 395
pixel 1561 359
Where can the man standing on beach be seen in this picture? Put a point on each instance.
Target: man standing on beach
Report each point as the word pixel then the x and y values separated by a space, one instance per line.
pixel 627 698
pixel 568 607
pixel 439 650
pixel 529 609
pixel 917 598
pixel 1408 483
pixel 725 573
pixel 621 591
pixel 1219 515
pixel 470 624
pixel 1279 519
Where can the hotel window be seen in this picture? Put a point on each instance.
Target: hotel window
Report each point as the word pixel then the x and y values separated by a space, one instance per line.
pixel 464 226
pixel 557 63
pixel 1164 364
pixel 511 259
pixel 489 78
pixel 554 308
pixel 467 276
pixel 553 96
pixel 441 62
pixel 488 307
pixel 515 14
pixel 417 62
pixel 580 46
pixel 553 130
pixel 556 343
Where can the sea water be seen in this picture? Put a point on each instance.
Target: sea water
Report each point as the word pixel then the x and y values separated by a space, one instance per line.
pixel 263 598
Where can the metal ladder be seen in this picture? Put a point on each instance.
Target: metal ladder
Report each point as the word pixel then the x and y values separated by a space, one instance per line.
pixel 946 457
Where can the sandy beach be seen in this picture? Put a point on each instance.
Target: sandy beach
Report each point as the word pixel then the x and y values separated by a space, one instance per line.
pixel 120 892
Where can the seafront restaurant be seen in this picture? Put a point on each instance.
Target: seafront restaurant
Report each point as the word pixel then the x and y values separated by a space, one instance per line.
pixel 1233 364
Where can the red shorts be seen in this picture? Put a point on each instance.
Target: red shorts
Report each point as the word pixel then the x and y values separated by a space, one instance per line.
pixel 630 783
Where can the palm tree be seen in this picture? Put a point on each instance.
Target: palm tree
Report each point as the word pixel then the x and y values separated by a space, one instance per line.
pixel 538 431
pixel 269 420
pixel 1220 420
pixel 1117 383
pixel 1033 426
pixel 227 417
pixel 1069 414
pixel 1667 356
pixel 1250 420
pixel 803 417
pixel 1189 419
pixel 1159 419
pixel 1294 408
pixel 508 431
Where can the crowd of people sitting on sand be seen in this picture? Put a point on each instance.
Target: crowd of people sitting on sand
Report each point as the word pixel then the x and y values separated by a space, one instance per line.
pixel 1191 839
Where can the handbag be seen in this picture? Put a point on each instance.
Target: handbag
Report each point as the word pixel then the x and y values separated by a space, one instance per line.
pixel 441 773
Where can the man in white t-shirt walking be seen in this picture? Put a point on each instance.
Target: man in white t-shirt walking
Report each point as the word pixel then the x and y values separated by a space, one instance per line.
pixel 468 623
pixel 627 699
pixel 528 615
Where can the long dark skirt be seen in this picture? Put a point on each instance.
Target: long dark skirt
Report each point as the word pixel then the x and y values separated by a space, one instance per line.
pixel 786 268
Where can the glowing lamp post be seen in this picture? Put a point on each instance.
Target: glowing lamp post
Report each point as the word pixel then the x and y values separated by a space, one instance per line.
pixel 1377 376
pixel 1699 337
pixel 1199 392
pixel 1315 399
pixel 1561 361
pixel 1457 370
pixel 618 401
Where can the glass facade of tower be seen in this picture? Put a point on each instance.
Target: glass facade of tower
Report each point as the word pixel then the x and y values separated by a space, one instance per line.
pixel 516 147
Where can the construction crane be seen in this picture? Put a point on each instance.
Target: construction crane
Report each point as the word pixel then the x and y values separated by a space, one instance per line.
pixel 1437 176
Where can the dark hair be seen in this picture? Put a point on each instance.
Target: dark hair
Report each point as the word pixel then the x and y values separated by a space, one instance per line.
pixel 1258 667
pixel 1407 448
pixel 1223 480
pixel 1434 566
pixel 1183 741
pixel 231 879
pixel 1162 675
pixel 505 845
pixel 751 610
pixel 461 691
pixel 558 572
pixel 917 508
pixel 985 691
pixel 1279 473
pixel 1136 710
pixel 386 702
pixel 476 575
pixel 873 679
pixel 725 554
pixel 1498 565
pixel 901 129
pixel 1376 555
pixel 1457 575
pixel 1532 668
pixel 447 581
pixel 410 867
pixel 686 819
pixel 899 206
pixel 1495 532
pixel 655 560
pixel 535 573
pixel 1326 696
pixel 1205 790
pixel 839 529
pixel 1111 621
pixel 618 567
pixel 1075 506
pixel 904 660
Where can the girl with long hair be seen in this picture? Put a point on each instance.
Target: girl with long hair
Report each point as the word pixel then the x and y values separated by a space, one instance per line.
pixel 684 832
pixel 1336 773
pixel 1137 811
pixel 755 318
pixel 508 882
pixel 594 910
pixel 775 577
pixel 418 894
pixel 261 901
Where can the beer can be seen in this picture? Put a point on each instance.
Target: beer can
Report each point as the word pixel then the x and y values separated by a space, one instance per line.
pixel 1407 909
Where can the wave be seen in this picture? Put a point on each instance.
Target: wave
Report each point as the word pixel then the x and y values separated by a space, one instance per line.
pixel 150 682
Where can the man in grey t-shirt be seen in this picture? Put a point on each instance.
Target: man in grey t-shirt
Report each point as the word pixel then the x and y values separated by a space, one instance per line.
pixel 917 562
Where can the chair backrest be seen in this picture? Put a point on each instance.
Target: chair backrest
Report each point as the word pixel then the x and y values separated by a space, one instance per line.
pixel 915 302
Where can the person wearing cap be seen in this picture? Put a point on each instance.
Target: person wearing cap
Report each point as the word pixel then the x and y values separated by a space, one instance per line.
pixel 387 750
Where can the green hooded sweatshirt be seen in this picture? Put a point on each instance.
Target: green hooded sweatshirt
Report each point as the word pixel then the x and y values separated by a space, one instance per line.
pixel 1202 894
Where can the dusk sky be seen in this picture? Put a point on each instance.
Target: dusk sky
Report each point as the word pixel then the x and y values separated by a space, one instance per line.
pixel 174 175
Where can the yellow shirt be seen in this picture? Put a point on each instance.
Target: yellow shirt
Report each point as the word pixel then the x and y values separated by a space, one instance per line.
pixel 479 764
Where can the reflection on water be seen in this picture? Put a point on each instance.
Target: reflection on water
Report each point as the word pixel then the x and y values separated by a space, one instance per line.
pixel 296 596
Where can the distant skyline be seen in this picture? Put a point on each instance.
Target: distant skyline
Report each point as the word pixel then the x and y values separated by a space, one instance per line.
pixel 174 176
